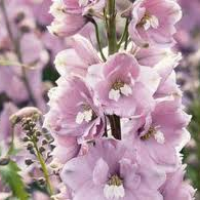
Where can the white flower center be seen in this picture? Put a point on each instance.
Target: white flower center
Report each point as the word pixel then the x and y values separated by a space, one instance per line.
pixel 119 88
pixel 84 3
pixel 58 9
pixel 152 21
pixel 114 189
pixel 156 133
pixel 149 21
pixel 160 138
pixel 85 115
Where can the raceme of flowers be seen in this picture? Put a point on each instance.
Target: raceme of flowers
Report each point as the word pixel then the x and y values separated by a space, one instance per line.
pixel 116 114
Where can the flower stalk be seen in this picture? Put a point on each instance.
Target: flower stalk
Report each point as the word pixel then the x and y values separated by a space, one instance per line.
pixel 113 48
pixel 18 53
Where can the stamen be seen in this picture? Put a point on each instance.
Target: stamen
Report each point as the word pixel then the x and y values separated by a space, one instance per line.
pixel 119 88
pixel 157 134
pixel 118 85
pixel 151 132
pixel 149 21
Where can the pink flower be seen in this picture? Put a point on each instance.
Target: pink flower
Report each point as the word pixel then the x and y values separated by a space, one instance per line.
pixel 40 196
pixel 76 60
pixel 111 171
pixel 176 188
pixel 66 148
pixel 162 134
pixel 64 27
pixel 164 61
pixel 153 22
pixel 90 6
pixel 122 86
pixel 5 124
pixel 70 15
pixel 12 75
pixel 72 111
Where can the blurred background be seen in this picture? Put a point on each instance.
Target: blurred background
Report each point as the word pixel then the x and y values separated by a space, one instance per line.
pixel 27 53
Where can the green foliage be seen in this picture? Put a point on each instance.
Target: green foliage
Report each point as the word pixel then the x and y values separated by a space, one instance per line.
pixel 10 176
pixel 194 127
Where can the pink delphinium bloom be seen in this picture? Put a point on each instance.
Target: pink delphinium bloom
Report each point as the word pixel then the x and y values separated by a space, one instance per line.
pixel 111 171
pixel 66 148
pixel 5 124
pixel 25 59
pixel 12 82
pixel 176 188
pixel 40 10
pixel 40 196
pixel 164 61
pixel 153 22
pixel 20 17
pixel 118 80
pixel 164 128
pixel 67 11
pixel 76 60
pixel 72 110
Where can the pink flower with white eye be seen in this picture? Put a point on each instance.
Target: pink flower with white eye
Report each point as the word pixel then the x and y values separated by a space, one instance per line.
pixel 110 171
pixel 153 22
pixel 122 86
pixel 76 60
pixel 72 111
pixel 176 188
pixel 162 134
pixel 67 11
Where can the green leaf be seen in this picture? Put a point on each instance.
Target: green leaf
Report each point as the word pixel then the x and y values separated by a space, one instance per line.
pixel 10 176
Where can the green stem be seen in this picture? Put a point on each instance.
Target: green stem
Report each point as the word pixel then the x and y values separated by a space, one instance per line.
pixel 113 48
pixel 44 168
pixel 98 38
pixel 18 52
pixel 11 148
pixel 112 36
pixel 124 36
pixel 126 42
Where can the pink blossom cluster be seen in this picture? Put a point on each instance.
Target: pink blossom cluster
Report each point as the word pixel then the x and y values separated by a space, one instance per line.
pixel 116 114
pixel 188 33
pixel 26 48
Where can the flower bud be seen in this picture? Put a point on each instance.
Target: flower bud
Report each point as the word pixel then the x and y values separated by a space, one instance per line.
pixel 4 161
pixel 29 162
pixel 28 112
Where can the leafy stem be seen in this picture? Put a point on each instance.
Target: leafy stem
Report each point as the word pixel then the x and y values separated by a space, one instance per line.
pixel 43 165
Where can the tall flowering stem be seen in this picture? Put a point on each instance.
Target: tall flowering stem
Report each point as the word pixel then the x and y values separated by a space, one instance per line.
pixel 113 48
pixel 44 167
pixel 29 119
pixel 135 88
pixel 16 45
pixel 112 36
